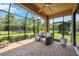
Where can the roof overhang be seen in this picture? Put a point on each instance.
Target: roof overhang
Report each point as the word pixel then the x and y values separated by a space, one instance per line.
pixel 59 9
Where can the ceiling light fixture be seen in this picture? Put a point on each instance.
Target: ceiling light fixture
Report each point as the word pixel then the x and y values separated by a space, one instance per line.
pixel 46 5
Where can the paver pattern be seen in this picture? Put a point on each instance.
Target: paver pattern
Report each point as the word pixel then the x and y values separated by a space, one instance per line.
pixel 35 48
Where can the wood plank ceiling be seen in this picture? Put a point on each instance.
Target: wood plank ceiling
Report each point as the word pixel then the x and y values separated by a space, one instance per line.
pixel 58 9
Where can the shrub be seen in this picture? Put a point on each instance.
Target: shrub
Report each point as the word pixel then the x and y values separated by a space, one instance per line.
pixel 1 40
pixel 25 36
pixel 4 40
pixel 14 38
pixel 10 39
pixel 19 38
pixel 30 35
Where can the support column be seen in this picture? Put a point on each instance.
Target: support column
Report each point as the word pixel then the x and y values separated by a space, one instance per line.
pixel 26 24
pixel 9 22
pixel 74 29
pixel 38 26
pixel 74 24
pixel 47 25
pixel 34 28
pixel 63 27
pixel 53 28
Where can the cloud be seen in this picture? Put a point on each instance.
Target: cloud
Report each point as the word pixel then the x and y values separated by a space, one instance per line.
pixel 15 10
pixel 6 7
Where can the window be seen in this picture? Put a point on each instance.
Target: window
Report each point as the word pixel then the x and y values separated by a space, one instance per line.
pixel 68 20
pixel 57 22
pixel 77 29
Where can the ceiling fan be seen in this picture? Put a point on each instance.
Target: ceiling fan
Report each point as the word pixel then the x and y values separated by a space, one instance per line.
pixel 46 5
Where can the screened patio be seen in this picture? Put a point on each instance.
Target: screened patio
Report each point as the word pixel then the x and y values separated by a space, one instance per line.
pixel 18 29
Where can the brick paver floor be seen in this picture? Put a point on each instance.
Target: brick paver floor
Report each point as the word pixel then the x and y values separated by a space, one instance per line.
pixel 34 48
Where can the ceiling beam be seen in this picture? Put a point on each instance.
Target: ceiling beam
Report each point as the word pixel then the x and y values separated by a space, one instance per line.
pixel 75 8
pixel 32 8
pixel 60 14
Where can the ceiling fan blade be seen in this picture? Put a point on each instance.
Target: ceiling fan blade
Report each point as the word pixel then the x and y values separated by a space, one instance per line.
pixel 42 8
pixel 50 9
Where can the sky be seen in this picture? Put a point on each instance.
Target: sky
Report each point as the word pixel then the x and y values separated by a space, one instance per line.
pixel 20 11
pixel 16 10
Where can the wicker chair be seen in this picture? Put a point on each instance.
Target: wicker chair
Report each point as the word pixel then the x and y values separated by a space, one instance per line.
pixel 38 36
pixel 47 39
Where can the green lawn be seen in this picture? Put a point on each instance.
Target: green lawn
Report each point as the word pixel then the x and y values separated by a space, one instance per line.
pixel 77 37
pixel 68 37
pixel 56 35
pixel 5 33
pixel 59 36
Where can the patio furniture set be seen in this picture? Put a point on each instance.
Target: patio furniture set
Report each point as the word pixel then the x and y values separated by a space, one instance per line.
pixel 47 38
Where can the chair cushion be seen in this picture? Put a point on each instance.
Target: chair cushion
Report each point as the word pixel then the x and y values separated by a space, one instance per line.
pixel 43 40
pixel 63 41
pixel 40 34
pixel 48 34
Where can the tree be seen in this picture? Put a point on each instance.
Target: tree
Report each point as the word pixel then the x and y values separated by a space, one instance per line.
pixel 64 28
pixel 13 21
pixel 11 18
pixel 30 24
pixel 2 23
pixel 41 26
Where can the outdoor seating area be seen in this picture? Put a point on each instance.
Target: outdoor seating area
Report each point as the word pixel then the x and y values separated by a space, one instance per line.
pixel 39 29
pixel 46 39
